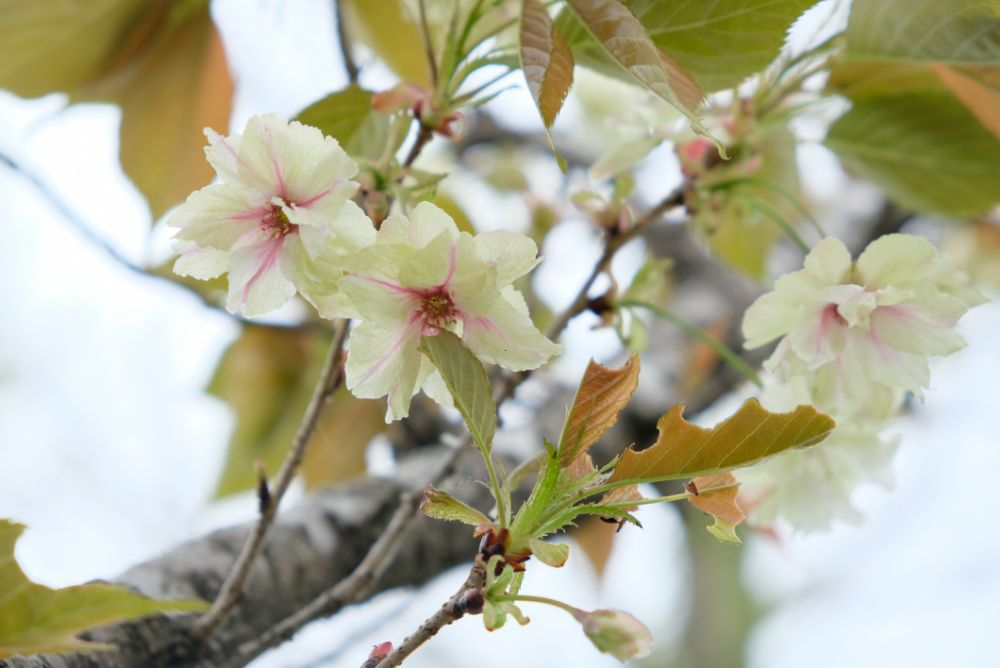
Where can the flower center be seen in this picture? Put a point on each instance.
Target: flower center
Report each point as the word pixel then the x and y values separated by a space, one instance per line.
pixel 277 223
pixel 437 311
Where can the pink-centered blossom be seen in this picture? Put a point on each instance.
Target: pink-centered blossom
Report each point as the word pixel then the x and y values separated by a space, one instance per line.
pixel 862 332
pixel 423 276
pixel 279 219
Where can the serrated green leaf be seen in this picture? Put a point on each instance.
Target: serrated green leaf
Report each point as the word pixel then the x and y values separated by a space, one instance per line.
pixel 547 64
pixel 443 506
pixel 468 384
pixel 35 618
pixel 626 42
pixel 723 42
pixel 550 554
pixel 927 151
pixel 683 450
pixel 600 398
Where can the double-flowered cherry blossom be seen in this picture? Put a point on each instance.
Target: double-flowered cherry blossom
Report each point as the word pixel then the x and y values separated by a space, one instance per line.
pixel 862 331
pixel 278 221
pixel 423 276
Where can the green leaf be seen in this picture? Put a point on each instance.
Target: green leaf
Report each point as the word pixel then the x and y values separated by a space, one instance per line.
pixel 683 450
pixel 443 506
pixel 162 62
pixel 267 377
pixel 390 30
pixel 602 395
pixel 468 384
pixel 550 554
pixel 723 42
pixel 891 45
pixel 348 117
pixel 927 151
pixel 35 618
pixel 626 42
pixel 547 64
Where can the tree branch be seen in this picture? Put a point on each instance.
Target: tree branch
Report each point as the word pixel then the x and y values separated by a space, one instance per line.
pixel 330 379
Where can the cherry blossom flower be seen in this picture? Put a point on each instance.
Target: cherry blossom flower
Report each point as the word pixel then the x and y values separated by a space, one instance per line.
pixel 423 276
pixel 278 220
pixel 862 331
pixel 812 487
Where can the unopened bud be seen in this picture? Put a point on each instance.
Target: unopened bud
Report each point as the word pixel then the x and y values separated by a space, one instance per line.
pixel 616 633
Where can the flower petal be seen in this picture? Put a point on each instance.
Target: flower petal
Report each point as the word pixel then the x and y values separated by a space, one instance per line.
pixel 216 216
pixel 256 283
pixel 513 255
pixel 506 336
pixel 385 361
pixel 198 262
pixel 895 259
pixel 829 261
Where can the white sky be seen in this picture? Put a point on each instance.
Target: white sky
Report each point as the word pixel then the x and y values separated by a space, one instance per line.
pixel 109 449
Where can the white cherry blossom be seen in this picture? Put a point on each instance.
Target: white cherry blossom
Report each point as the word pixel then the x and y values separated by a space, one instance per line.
pixel 279 219
pixel 423 276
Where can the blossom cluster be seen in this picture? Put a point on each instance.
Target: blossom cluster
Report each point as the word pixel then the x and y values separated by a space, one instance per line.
pixel 855 338
pixel 280 221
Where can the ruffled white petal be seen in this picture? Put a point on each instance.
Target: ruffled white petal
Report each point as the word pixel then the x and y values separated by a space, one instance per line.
pixel 506 336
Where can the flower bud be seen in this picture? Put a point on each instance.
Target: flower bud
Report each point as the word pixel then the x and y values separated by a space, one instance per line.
pixel 616 633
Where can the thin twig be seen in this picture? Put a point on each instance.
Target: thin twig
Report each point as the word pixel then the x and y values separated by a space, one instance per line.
pixel 331 378
pixel 447 614
pixel 344 41
pixel 75 221
pixel 347 591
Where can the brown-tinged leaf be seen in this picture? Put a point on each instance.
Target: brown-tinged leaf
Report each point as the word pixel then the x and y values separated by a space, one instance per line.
pixel 626 41
pixel 547 64
pixel 35 618
pixel 337 449
pixel 684 450
pixel 267 378
pixel 978 88
pixel 602 395
pixel 596 539
pixel 716 495
pixel 180 88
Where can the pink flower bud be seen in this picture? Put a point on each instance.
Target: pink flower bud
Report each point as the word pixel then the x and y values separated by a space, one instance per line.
pixel 616 633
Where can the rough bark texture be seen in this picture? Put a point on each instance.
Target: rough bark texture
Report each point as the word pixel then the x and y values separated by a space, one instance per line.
pixel 310 548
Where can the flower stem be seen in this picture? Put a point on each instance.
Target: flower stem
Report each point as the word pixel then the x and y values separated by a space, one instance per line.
pixel 718 347
pixel 525 598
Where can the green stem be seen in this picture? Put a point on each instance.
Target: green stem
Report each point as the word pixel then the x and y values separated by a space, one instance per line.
pixel 719 348
pixel 498 493
pixel 524 598
pixel 783 224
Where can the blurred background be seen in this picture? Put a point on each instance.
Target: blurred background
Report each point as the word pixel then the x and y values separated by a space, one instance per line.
pixel 112 451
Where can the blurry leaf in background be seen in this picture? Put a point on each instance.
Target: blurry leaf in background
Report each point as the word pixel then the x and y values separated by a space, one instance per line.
pixel 267 377
pixel 739 203
pixel 162 62
pixel 691 31
pixel 926 151
pixel 596 539
pixel 624 40
pixel 752 433
pixel 716 495
pixel 348 117
pixel 392 32
pixel 914 46
pixel 35 618
pixel 457 213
